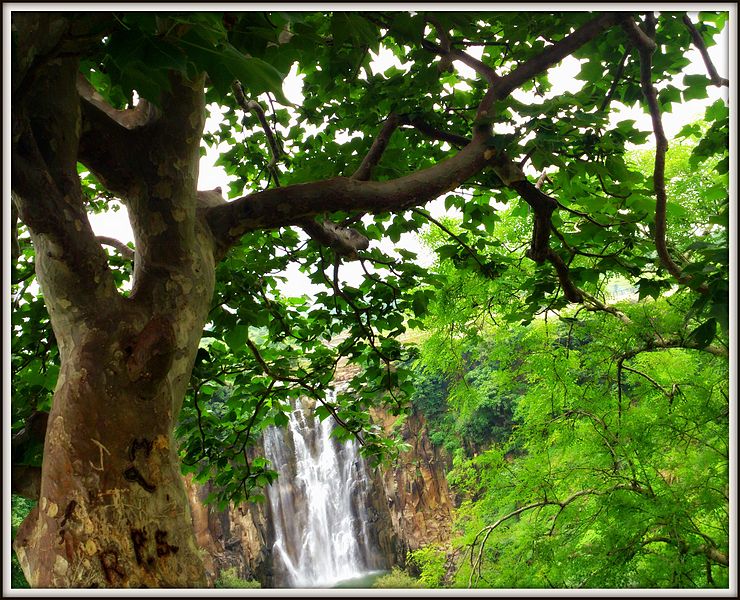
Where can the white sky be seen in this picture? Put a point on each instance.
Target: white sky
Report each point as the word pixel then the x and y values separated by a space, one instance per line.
pixel 562 79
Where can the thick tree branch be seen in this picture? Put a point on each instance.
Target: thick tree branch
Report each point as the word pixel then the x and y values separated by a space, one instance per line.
pixel 162 205
pixel 445 61
pixel 68 257
pixel 571 292
pixel 111 141
pixel 701 47
pixel 657 344
pixel 40 37
pixel 543 207
pixel 131 118
pixel 274 208
pixel 552 55
pixel 289 206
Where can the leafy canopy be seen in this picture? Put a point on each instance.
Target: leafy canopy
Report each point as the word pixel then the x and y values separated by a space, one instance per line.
pixel 591 217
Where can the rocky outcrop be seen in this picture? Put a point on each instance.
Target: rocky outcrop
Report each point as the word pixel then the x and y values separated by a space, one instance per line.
pixel 230 538
pixel 415 488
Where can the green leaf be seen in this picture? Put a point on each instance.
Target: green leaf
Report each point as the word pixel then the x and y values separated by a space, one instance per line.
pixel 703 335
pixel 254 74
pixel 236 338
pixel 322 412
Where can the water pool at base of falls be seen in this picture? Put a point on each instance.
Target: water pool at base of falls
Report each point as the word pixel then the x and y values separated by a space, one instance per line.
pixel 365 580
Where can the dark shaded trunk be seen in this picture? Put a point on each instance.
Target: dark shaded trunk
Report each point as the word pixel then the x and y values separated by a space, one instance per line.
pixel 112 510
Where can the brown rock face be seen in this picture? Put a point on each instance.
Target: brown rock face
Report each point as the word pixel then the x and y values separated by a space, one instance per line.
pixel 229 538
pixel 415 490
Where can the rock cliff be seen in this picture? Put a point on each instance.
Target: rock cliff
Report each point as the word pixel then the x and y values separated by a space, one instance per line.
pixel 415 488
pixel 230 538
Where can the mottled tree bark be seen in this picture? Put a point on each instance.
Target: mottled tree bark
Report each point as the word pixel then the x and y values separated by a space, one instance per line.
pixel 112 508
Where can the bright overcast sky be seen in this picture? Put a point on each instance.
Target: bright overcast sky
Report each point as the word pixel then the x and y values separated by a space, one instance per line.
pixel 562 79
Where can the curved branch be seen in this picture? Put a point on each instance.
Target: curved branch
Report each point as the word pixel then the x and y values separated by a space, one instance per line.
pixel 372 158
pixel 656 385
pixel 646 46
pixel 290 205
pixel 701 47
pixel 490 528
pixel 571 292
pixel 552 55
pixel 125 251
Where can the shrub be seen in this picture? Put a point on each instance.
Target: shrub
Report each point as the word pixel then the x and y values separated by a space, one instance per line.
pixel 397 579
pixel 431 563
pixel 229 579
pixel 19 509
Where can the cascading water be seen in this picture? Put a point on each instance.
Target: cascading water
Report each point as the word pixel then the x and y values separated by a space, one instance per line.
pixel 318 504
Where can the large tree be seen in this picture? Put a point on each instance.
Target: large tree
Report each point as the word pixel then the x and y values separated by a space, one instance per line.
pixel 129 342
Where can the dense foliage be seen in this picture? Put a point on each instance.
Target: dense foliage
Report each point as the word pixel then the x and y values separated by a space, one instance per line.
pixel 527 363
pixel 614 468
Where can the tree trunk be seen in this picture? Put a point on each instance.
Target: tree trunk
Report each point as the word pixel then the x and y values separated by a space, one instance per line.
pixel 113 510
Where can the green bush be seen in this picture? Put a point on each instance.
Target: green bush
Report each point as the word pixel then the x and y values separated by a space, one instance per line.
pixel 19 509
pixel 229 579
pixel 431 563
pixel 397 579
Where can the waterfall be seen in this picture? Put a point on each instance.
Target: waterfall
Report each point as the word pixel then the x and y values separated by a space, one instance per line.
pixel 318 504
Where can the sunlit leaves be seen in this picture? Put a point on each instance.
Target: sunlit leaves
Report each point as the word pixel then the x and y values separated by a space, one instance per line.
pixel 612 479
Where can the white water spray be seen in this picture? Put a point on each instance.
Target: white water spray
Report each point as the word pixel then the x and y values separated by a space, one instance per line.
pixel 318 503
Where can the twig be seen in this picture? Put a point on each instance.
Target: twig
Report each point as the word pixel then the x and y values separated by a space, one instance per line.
pixel 372 158
pixel 598 305
pixel 256 108
pixel 457 238
pixel 617 76
pixel 659 387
